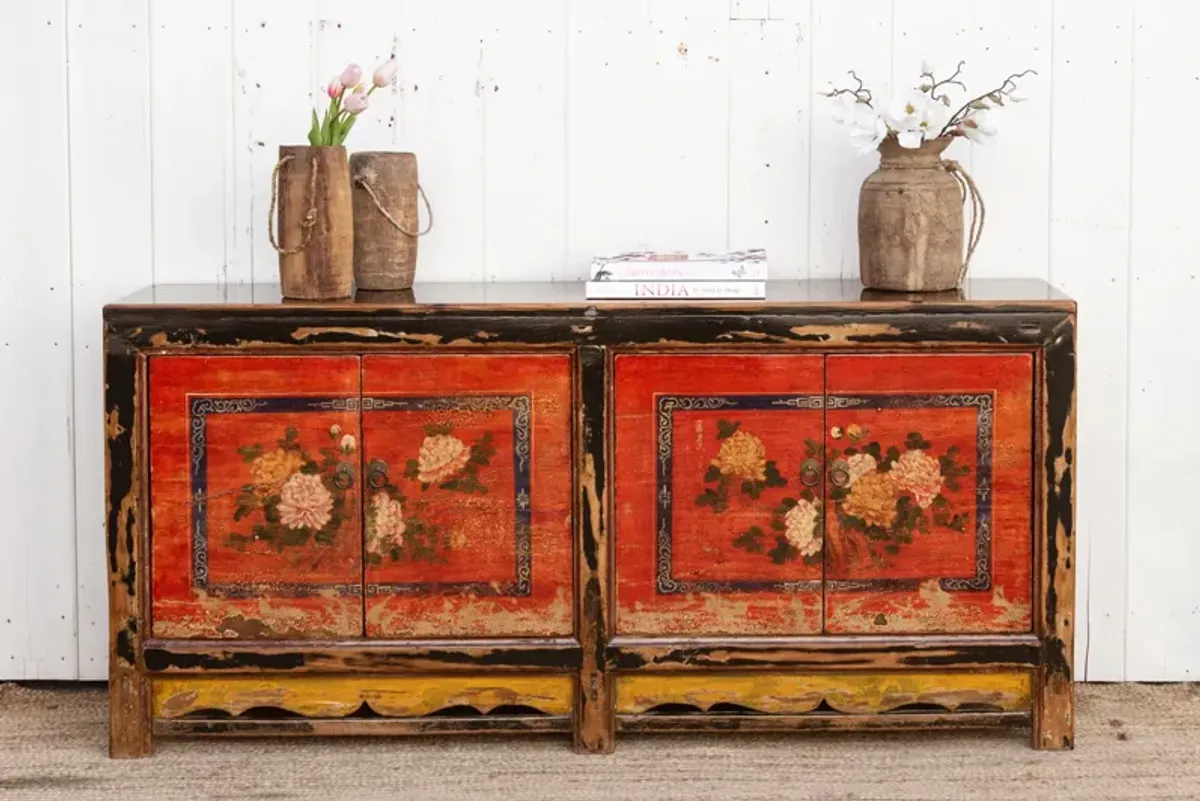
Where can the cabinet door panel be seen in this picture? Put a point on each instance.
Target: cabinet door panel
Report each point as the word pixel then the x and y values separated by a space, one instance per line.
pixel 468 516
pixel 715 531
pixel 929 493
pixel 255 522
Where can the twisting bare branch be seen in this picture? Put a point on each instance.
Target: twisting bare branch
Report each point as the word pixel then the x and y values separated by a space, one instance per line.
pixel 980 103
pixel 935 84
pixel 861 93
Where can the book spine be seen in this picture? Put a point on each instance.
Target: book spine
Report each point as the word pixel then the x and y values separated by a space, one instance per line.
pixel 674 290
pixel 688 271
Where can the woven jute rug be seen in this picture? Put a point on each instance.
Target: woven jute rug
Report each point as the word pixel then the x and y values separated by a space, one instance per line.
pixel 1134 742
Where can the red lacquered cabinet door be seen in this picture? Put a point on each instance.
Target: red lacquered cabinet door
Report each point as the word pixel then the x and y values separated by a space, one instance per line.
pixel 255 519
pixel 468 495
pixel 718 494
pixel 929 525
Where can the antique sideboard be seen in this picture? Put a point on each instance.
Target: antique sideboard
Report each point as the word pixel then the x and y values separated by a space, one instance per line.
pixel 504 508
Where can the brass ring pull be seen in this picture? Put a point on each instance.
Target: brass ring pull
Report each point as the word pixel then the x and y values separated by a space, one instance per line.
pixel 839 474
pixel 377 474
pixel 343 477
pixel 810 473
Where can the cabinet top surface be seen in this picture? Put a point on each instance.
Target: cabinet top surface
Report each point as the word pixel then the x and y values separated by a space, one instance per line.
pixel 981 293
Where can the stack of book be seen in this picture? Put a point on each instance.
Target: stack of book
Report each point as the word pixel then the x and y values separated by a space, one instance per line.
pixel 738 275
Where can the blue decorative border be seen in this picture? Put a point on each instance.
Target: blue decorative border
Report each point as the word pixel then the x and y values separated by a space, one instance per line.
pixel 667 405
pixel 521 407
pixel 200 408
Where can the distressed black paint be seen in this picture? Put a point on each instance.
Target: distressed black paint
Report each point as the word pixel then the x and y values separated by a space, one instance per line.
pixel 123 647
pixel 359 656
pixel 810 655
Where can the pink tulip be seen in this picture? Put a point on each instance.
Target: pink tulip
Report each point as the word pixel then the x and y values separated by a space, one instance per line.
pixel 351 75
pixel 335 89
pixel 355 102
pixel 385 73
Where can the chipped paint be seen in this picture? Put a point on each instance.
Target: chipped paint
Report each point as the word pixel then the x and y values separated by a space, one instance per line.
pixel 112 424
pixel 307 332
pixel 845 334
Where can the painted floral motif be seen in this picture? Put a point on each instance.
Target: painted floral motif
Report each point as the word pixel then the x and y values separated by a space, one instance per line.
pixel 739 474
pixel 305 503
pixel 399 527
pixel 270 470
pixel 442 456
pixel 803 527
pixel 873 499
pixel 291 497
pixel 741 462
pixel 742 456
pixel 890 494
pixel 920 474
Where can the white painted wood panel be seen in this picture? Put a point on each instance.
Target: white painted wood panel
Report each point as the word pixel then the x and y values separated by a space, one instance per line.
pixel 845 37
pixel 1089 258
pixel 1163 515
pixel 770 106
pixel 37 573
pixel 608 130
pixel 689 124
pixel 550 130
pixel 112 253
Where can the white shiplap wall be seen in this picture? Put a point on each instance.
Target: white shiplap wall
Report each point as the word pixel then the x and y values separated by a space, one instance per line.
pixel 548 130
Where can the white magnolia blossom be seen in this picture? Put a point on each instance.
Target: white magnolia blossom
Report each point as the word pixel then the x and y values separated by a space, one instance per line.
pixel 864 124
pixel 978 127
pixel 915 118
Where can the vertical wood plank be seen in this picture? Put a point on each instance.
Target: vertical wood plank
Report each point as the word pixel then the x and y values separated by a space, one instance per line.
pixel 37 576
pixel 1089 190
pixel 1164 366
pixel 524 98
pixel 608 130
pixel 770 106
pixel 441 56
pixel 594 719
pixel 112 251
pixel 1013 168
pixel 846 36
pixel 191 97
pixel 689 124
pixel 275 88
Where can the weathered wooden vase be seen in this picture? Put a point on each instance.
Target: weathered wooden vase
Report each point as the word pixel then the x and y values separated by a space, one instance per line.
pixel 311 187
pixel 386 219
pixel 911 220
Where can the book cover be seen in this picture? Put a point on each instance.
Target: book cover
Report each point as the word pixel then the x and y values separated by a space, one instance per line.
pixel 743 265
pixel 675 290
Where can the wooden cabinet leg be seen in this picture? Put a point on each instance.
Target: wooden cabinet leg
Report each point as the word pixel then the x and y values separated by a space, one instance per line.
pixel 1053 713
pixel 594 720
pixel 130 715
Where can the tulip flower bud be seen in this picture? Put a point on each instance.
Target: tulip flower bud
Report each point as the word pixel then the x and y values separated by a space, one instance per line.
pixel 385 73
pixel 355 103
pixel 351 75
pixel 335 89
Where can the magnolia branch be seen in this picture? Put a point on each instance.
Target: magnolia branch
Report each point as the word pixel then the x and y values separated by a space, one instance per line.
pixel 935 84
pixel 980 103
pixel 861 93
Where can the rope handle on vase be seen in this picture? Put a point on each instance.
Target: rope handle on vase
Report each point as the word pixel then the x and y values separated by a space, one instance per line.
pixel 978 211
pixel 310 217
pixel 361 181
